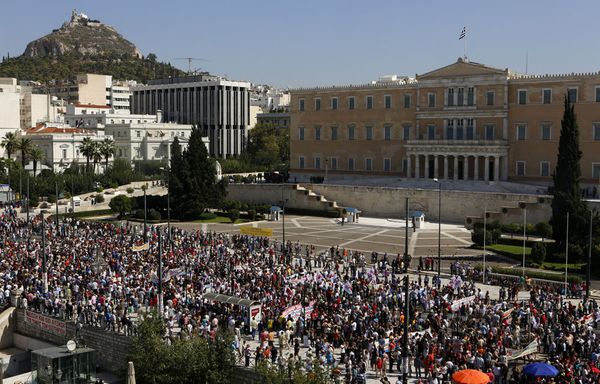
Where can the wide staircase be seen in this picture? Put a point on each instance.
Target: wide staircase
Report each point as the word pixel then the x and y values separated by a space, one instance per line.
pixel 506 214
pixel 314 201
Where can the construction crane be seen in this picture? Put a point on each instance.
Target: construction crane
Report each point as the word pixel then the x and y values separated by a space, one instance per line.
pixel 189 60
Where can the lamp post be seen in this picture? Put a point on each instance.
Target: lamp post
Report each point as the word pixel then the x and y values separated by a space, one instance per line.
pixel 168 170
pixel 567 256
pixel 406 237
pixel 56 220
pixel 524 207
pixel 160 275
pixel 326 166
pixel 27 199
pixel 589 259
pixel 283 201
pixel 439 269
pixel 405 333
pixel 484 239
pixel 144 187
pixel 44 261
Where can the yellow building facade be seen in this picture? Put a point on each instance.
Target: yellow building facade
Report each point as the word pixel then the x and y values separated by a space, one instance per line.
pixel 465 121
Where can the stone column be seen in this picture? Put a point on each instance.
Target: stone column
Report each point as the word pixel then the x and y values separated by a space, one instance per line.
pixel 486 168
pixel 504 160
pixel 476 167
pixel 408 170
pixel 445 166
pixel 435 167
pixel 496 168
pixel 465 167
pixel 417 166
pixel 455 170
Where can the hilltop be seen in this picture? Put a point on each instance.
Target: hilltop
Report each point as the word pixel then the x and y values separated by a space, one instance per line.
pixel 84 45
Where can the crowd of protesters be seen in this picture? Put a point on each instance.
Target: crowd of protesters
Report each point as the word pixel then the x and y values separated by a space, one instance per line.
pixel 351 310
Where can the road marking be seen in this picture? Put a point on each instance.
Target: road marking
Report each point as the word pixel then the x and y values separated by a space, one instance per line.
pixel 457 238
pixel 364 237
pixel 412 243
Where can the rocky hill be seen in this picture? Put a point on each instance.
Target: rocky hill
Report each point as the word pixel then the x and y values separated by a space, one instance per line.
pixel 82 36
pixel 83 45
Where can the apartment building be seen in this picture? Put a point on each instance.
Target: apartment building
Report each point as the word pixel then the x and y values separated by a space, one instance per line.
pixel 464 121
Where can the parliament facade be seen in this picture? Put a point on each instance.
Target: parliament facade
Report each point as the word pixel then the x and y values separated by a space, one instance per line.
pixel 465 121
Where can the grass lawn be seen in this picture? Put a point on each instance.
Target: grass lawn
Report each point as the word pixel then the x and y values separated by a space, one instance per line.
pixel 513 249
pixel 561 266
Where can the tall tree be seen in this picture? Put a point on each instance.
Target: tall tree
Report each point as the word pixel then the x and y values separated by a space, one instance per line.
pixel 25 147
pixel 10 142
pixel 36 154
pixel 567 175
pixel 178 169
pixel 107 149
pixel 200 175
pixel 87 149
pixel 96 155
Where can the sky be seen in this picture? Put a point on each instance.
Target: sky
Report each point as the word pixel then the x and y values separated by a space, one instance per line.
pixel 303 43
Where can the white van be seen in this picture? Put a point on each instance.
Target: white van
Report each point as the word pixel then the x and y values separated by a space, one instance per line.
pixel 76 201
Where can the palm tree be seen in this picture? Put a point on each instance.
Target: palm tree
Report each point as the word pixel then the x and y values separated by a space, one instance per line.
pixel 107 149
pixel 87 150
pixel 10 142
pixel 36 154
pixel 96 154
pixel 25 146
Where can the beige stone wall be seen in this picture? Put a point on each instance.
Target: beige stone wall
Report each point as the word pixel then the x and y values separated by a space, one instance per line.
pixel 389 202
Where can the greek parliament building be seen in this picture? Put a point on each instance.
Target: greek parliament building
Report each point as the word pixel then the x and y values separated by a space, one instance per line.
pixel 218 106
pixel 465 121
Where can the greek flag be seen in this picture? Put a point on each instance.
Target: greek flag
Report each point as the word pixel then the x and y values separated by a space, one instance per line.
pixel 463 33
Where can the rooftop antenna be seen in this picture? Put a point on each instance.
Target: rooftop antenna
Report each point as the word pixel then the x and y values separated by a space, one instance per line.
pixel 189 60
pixel 526 62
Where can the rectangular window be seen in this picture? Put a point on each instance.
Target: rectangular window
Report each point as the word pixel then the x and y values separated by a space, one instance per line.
pixel 334 163
pixel 138 133
pixel 521 132
pixel 431 132
pixel 317 104
pixel 544 168
pixel 596 129
pixel 490 96
pixel 387 164
pixel 406 101
pixel 431 100
pixel 489 132
pixel 368 164
pixel 301 162
pixel 461 97
pixel 406 133
pixel 546 96
pixel 387 131
pixel 520 171
pixel 64 151
pixel 546 131
pixel 334 135
pixel 301 133
pixel 369 102
pixel 460 130
pixel 470 96
pixel 351 132
pixel 369 133
pixel 470 129
pixel 572 95
pixel 597 94
pixel 317 162
pixel 450 97
pixel 301 105
pixel 522 99
pixel 317 133
pixel 596 171
pixel 334 103
pixel 450 130
pixel 351 102
pixel 351 164
pixel 387 101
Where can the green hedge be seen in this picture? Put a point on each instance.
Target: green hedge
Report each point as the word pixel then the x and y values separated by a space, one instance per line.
pixel 83 214
pixel 536 274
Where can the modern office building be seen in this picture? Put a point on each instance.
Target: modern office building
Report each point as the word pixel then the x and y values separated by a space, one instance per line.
pixel 220 107
pixel 465 121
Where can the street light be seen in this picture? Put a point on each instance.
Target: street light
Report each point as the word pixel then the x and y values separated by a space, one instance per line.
pixel 439 271
pixel 524 208
pixel 282 202
pixel 168 170
pixel 56 186
pixel 589 259
pixel 144 187
pixel 484 240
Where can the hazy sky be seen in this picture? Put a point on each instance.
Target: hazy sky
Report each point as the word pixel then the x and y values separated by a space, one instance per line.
pixel 298 43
